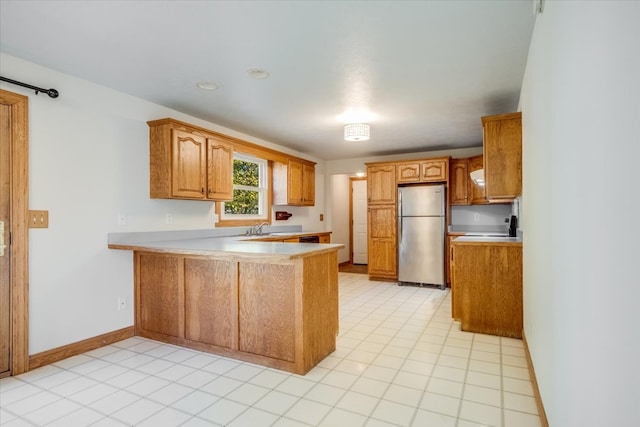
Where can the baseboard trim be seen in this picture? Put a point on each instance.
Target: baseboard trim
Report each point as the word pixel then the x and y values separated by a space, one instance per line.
pixel 73 349
pixel 534 382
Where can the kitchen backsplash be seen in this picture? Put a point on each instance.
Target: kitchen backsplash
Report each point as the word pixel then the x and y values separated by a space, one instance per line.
pixel 493 215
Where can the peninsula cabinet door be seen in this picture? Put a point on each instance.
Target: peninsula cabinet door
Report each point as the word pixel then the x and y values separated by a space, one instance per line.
pixel 266 296
pixel 211 304
pixel 160 294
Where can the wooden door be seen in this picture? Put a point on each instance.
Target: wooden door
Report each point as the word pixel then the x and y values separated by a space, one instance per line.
pixel 266 322
pixel 295 183
pixel 434 171
pixel 160 294
pixel 189 165
pixel 219 170
pixel 359 221
pixel 459 182
pixel 476 191
pixel 14 272
pixel 502 149
pixel 408 172
pixel 5 249
pixel 383 258
pixel 308 185
pixel 211 305
pixel 381 184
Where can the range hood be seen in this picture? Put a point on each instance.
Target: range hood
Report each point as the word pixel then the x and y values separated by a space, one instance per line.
pixel 477 176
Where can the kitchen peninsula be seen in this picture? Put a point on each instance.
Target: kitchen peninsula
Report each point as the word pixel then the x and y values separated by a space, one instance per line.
pixel 270 303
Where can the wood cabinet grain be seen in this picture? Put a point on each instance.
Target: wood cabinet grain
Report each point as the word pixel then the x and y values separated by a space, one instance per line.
pixel 281 313
pixel 382 242
pixel 434 170
pixel 381 184
pixel 294 183
pixel 487 283
pixel 476 191
pixel 459 182
pixel 502 149
pixel 188 163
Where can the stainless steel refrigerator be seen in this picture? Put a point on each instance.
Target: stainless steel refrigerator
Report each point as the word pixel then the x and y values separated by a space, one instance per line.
pixel 421 232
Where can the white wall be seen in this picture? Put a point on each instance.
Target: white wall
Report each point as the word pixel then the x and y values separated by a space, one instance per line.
pixel 581 125
pixel 88 162
pixel 338 205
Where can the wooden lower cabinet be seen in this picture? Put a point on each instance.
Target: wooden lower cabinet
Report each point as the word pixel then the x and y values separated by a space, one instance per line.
pixel 281 313
pixel 159 294
pixel 266 298
pixel 382 242
pixel 210 305
pixel 487 287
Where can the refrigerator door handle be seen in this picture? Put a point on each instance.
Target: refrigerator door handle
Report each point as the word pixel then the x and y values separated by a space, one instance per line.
pixel 399 217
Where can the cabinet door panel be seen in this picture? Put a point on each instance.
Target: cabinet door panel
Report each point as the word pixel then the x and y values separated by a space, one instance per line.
pixel 308 185
pixel 408 172
pixel 219 170
pixel 160 294
pixel 295 182
pixel 477 191
pixel 266 297
pixel 503 156
pixel 381 184
pixel 211 294
pixel 188 165
pixel 435 171
pixel 459 182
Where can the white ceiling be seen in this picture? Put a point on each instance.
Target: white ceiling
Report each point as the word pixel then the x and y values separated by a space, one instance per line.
pixel 426 70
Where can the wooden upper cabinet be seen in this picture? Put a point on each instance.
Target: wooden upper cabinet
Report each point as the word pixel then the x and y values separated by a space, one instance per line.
pixel 219 169
pixel 459 182
pixel 187 163
pixel 476 191
pixel 408 172
pixel 294 183
pixel 381 184
pixel 434 170
pixel 502 149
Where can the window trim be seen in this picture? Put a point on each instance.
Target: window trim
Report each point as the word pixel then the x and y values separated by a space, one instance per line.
pixel 268 194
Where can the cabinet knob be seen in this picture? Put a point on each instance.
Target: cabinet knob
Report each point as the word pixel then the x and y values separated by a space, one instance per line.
pixel 202 191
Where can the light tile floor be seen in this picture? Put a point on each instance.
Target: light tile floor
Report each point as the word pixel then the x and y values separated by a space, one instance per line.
pixel 400 361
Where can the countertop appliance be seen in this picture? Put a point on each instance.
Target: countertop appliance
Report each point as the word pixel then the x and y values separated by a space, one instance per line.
pixel 421 231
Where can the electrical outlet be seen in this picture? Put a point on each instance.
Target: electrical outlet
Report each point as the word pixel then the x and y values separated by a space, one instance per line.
pixel 215 218
pixel 122 218
pixel 169 218
pixel 476 217
pixel 122 303
pixel 321 217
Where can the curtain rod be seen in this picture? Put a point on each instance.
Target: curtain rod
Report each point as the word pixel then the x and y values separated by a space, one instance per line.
pixel 51 92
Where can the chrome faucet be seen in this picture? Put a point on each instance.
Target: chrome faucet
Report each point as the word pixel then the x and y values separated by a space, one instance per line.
pixel 257 229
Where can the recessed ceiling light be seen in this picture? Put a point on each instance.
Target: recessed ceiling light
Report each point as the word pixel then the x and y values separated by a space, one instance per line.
pixel 257 73
pixel 207 85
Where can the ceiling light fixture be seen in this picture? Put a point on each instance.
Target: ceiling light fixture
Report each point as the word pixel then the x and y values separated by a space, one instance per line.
pixel 207 85
pixel 258 73
pixel 356 132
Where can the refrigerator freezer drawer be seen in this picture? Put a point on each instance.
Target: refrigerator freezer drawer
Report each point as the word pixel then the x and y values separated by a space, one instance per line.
pixel 421 250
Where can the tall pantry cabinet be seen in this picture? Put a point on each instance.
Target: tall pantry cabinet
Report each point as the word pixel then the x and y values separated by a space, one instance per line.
pixel 381 224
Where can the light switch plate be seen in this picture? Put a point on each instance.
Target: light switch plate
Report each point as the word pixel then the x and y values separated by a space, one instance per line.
pixel 38 219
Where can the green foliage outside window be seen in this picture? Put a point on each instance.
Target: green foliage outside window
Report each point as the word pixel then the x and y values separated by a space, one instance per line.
pixel 246 200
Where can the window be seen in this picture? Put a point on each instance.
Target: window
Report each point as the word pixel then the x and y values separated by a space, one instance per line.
pixel 249 190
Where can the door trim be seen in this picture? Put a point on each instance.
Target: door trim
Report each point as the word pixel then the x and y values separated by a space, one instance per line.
pixel 351 179
pixel 19 106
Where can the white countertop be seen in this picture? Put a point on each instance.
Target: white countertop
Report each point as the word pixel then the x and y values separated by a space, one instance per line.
pixel 488 239
pixel 232 245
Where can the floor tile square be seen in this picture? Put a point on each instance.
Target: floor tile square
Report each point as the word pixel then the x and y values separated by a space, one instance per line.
pixel 487 396
pixel 247 394
pixel 519 419
pixel 323 393
pixel 440 403
pixel 520 402
pixel 114 402
pixel 394 412
pixel 195 402
pixel 358 402
pixel 308 412
pixel 52 412
pixel 276 402
pixel 165 417
pixel 480 413
pixel 431 419
pixel 223 411
pixel 339 417
pixel 136 412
